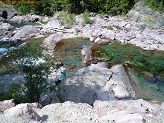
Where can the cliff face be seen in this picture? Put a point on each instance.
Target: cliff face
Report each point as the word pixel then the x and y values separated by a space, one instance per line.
pixel 143 14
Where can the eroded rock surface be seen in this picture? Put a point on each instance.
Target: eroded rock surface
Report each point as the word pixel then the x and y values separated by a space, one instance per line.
pixel 5 28
pixel 24 33
pixel 96 82
pixel 51 41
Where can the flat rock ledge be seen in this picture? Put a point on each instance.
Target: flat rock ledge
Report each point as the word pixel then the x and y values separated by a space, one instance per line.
pixel 95 94
pixel 96 82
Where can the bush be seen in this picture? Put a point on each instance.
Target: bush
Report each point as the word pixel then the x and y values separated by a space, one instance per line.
pixel 35 70
pixel 66 19
pixel 86 19
pixel 12 93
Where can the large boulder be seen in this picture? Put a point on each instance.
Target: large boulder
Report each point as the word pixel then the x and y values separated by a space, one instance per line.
pixel 24 33
pixel 51 41
pixel 6 104
pixel 128 111
pixel 20 19
pixel 22 110
pixel 96 82
pixel 86 53
pixel 11 11
pixel 116 111
pixel 5 28
pixel 119 83
pixel 83 86
pixel 67 112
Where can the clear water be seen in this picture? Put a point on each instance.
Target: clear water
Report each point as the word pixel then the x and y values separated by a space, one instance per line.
pixel 150 89
pixel 69 52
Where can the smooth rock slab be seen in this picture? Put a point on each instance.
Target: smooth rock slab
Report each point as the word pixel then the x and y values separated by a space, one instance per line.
pixel 22 110
pixel 6 104
pixel 51 41
pixel 24 33
pixel 82 86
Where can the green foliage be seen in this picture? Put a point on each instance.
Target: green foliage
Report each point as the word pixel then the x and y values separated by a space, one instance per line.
pixel 113 7
pixel 86 19
pixel 66 19
pixel 34 71
pixel 156 4
pixel 12 93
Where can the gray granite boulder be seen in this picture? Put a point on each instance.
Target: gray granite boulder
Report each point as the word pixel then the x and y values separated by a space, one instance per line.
pixel 96 82
pixel 6 104
pixel 24 33
pixel 5 28
pixel 86 53
pixel 83 86
pixel 22 110
pixel 51 41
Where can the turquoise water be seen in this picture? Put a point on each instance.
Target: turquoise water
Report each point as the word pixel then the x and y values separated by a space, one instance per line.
pixel 151 89
pixel 69 52
pixel 148 88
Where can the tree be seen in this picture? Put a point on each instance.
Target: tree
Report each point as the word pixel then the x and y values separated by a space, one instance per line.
pixel 35 71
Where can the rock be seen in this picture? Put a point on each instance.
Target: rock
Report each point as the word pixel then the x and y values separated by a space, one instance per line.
pixel 92 39
pixel 22 110
pixel 24 33
pixel 11 11
pixel 45 100
pixel 53 24
pixel 86 52
pixel 2 19
pixel 20 19
pixel 45 19
pixel 4 105
pixel 34 18
pixel 103 41
pixel 114 111
pixel 5 28
pixel 82 86
pixel 67 112
pixel 51 41
pixel 3 51
pixel 98 39
pixel 119 83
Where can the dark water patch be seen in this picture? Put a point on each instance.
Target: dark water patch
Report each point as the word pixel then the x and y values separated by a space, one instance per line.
pixel 18 25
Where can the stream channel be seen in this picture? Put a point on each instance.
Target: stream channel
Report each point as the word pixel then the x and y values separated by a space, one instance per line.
pixel 145 68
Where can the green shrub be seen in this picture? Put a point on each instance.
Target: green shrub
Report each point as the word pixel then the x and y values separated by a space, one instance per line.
pixel 12 93
pixel 66 19
pixel 86 19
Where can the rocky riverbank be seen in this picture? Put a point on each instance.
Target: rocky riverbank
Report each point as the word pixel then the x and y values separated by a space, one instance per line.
pixel 108 92
pixel 95 94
